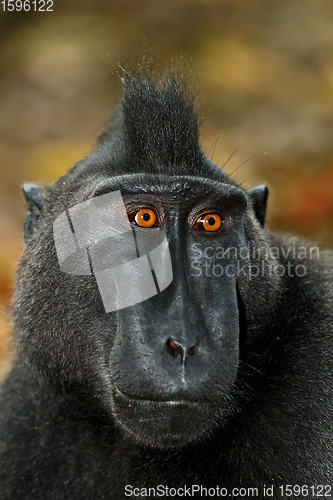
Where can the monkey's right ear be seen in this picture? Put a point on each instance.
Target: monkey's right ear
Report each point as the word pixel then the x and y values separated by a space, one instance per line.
pixel 36 203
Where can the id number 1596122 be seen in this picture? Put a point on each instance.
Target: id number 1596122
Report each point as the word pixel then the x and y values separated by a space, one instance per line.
pixel 27 5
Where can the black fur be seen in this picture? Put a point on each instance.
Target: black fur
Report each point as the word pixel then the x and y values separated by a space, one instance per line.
pixel 258 404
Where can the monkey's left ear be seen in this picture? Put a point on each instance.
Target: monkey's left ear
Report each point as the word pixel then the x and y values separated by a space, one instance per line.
pixel 259 195
pixel 36 203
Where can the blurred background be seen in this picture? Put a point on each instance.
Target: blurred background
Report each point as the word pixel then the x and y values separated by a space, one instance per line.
pixel 263 69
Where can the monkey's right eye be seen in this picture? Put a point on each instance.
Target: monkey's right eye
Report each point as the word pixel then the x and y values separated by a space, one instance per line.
pixel 145 217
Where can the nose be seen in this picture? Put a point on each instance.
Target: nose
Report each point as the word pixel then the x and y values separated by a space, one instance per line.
pixel 177 349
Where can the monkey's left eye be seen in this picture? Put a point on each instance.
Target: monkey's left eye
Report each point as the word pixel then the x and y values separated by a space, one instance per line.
pixel 209 222
pixel 145 217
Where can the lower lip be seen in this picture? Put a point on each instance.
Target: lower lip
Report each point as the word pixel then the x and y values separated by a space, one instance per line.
pixel 179 404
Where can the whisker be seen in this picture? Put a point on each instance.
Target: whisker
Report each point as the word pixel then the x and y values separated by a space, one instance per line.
pixel 231 156
pixel 213 147
pixel 251 158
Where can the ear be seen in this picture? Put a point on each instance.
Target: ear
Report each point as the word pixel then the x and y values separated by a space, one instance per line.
pixel 36 203
pixel 258 196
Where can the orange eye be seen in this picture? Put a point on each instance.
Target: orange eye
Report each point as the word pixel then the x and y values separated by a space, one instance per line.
pixel 209 222
pixel 145 217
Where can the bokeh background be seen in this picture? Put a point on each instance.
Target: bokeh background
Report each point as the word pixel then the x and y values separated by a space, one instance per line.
pixel 264 71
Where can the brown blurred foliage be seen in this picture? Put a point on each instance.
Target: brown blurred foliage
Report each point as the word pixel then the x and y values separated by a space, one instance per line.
pixel 266 81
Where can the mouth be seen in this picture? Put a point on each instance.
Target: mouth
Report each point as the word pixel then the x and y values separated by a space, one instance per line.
pixel 177 403
pixel 170 423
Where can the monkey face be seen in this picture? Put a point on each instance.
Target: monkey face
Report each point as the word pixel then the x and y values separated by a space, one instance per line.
pixel 164 260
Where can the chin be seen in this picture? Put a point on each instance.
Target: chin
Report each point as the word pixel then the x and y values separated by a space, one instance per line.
pixel 171 423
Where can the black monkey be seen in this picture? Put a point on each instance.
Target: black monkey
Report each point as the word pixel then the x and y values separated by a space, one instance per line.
pixel 220 379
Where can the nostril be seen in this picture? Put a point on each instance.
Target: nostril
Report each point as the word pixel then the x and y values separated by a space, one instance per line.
pixel 174 348
pixel 192 350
